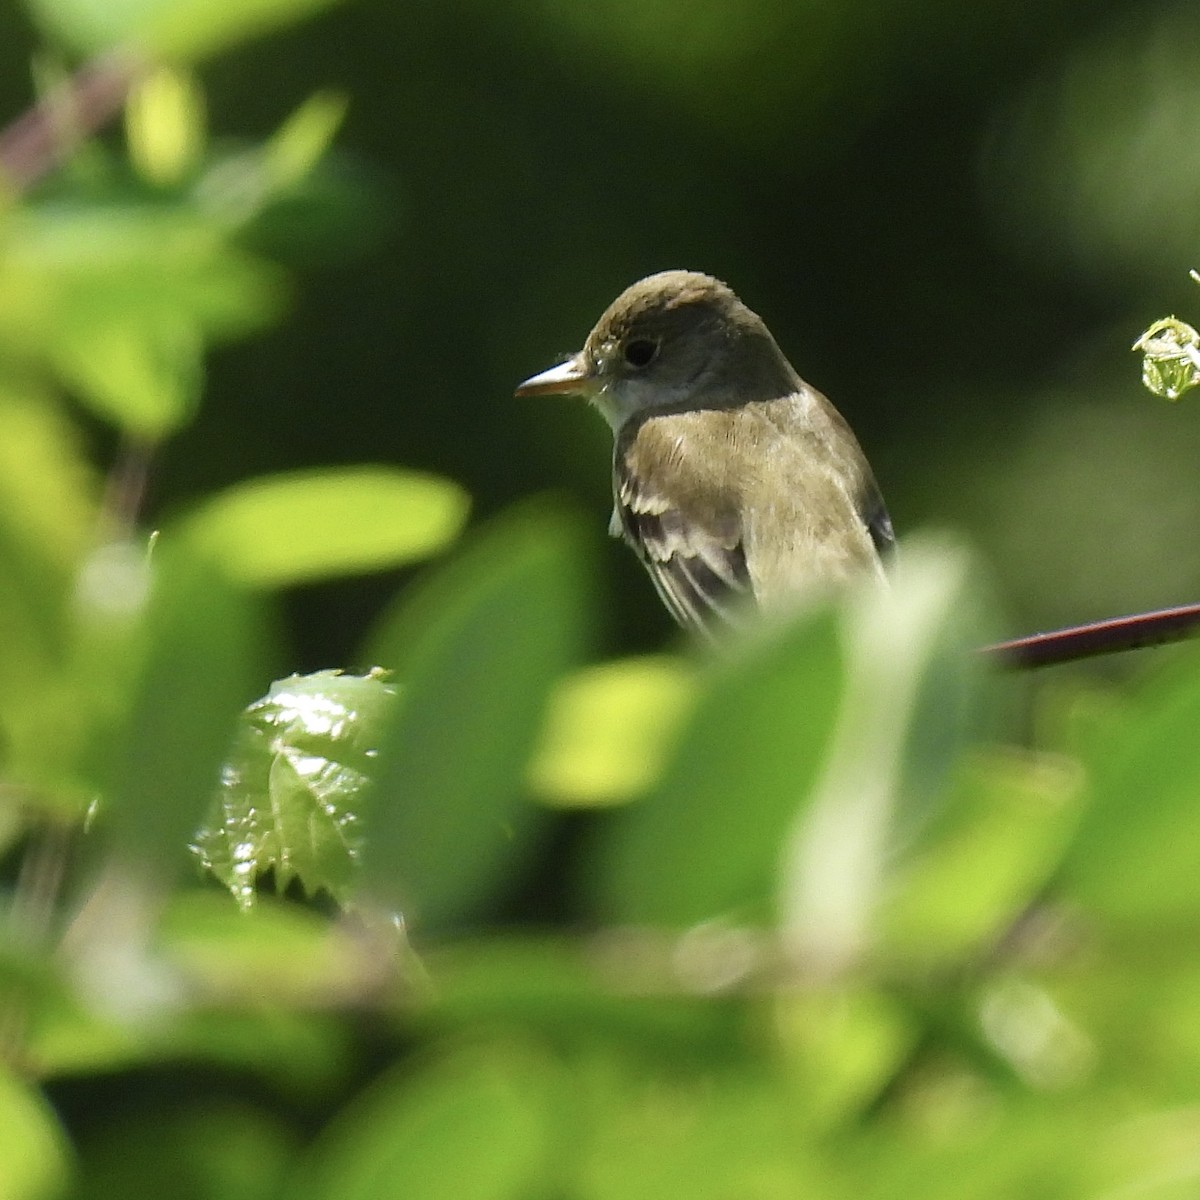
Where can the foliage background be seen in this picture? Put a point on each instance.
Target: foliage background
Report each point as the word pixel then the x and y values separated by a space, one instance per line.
pixel 955 218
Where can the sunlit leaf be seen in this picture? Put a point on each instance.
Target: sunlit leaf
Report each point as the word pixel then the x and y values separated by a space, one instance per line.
pixel 292 790
pixel 307 525
pixel 609 729
pixel 299 143
pixel 164 126
pixel 48 510
pixel 35 1157
pixel 1170 358
pixel 841 1046
pixel 912 698
pixel 476 653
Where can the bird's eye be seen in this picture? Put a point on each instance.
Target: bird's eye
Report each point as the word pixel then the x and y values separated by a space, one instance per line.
pixel 640 352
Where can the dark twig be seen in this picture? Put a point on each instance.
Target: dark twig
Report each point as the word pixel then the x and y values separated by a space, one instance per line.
pixel 41 137
pixel 1100 637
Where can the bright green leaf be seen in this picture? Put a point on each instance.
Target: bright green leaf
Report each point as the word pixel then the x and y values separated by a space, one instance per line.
pixel 476 653
pixel 164 126
pixel 35 1158
pixel 609 729
pixel 292 790
pixel 308 525
pixel 301 141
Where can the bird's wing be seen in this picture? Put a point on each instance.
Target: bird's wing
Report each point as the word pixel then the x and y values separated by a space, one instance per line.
pixel 694 553
pixel 875 516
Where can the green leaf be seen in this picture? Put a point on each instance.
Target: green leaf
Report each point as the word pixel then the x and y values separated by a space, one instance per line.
pixel 296 147
pixel 1171 358
pixel 146 377
pixel 171 28
pixel 199 665
pixel 476 1125
pixel 48 510
pixel 308 525
pixel 476 653
pixel 164 126
pixel 35 1159
pixel 71 266
pixel 204 1148
pixel 1133 857
pixel 609 730
pixel 121 301
pixel 1007 820
pixel 708 839
pixel 913 698
pixel 292 790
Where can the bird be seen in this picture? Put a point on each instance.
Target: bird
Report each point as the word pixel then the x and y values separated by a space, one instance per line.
pixel 738 485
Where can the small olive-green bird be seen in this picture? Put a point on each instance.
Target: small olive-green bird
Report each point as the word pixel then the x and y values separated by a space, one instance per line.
pixel 735 482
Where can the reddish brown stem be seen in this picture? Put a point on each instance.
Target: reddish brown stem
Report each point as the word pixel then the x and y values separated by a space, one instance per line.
pixel 40 138
pixel 1100 637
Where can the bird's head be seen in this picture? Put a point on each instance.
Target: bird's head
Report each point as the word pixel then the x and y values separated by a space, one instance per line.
pixel 672 341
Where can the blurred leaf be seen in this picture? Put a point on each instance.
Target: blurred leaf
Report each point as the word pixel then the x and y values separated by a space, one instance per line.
pixel 706 1134
pixel 476 1125
pixel 708 838
pixel 164 126
pixel 48 510
pixel 282 955
pixel 1134 855
pixel 609 729
pixel 35 1158
pixel 249 996
pixel 171 28
pixel 200 664
pixel 1007 819
pixel 147 378
pixel 202 1149
pixel 296 147
pixel 476 653
pixel 615 984
pixel 292 790
pixel 912 697
pixel 71 273
pixel 308 525
pixel 841 1047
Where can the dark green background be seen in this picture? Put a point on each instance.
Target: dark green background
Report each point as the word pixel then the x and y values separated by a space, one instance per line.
pixel 899 189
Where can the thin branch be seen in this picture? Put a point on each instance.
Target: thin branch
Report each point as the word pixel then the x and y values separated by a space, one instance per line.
pixel 43 136
pixel 1100 637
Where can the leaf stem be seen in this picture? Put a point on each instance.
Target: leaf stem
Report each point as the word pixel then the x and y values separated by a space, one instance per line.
pixel 39 139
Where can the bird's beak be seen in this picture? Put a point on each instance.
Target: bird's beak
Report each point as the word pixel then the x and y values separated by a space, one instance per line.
pixel 569 378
